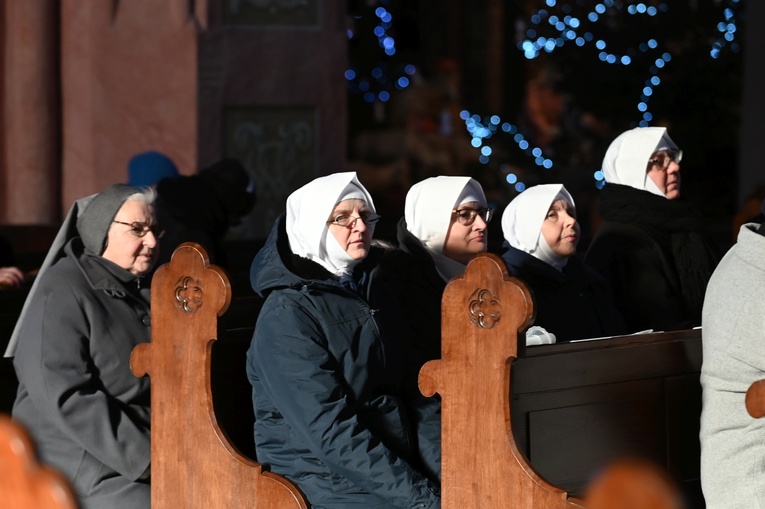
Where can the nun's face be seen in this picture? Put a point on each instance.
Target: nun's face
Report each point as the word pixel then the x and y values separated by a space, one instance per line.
pixel 356 236
pixel 560 228
pixel 132 248
pixel 464 241
pixel 664 170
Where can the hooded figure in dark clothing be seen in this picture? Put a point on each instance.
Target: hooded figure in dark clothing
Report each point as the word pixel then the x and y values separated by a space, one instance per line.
pixel 200 208
pixel 652 247
pixel 88 308
pixel 571 300
pixel 328 415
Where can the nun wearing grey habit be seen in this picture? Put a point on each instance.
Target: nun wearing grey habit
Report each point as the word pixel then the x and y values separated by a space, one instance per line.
pixel 86 412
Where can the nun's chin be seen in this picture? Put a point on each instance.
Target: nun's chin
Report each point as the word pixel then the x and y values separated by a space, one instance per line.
pixel 358 250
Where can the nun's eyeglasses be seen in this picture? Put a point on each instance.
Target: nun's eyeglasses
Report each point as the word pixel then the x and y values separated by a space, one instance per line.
pixel 141 229
pixel 350 221
pixel 662 160
pixel 467 216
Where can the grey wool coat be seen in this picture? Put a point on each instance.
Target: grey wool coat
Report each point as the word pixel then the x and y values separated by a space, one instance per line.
pixel 86 412
pixel 733 337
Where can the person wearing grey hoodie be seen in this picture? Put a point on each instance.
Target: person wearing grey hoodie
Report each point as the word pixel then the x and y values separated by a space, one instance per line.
pixel 733 335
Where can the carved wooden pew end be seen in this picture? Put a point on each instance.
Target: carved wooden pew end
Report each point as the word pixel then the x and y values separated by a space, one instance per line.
pixel 24 483
pixel 633 484
pixel 194 465
pixel 483 314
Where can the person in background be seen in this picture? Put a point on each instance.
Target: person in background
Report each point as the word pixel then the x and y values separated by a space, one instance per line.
pixel 571 300
pixel 89 307
pixel 443 228
pixel 10 275
pixel 732 337
pixel 201 208
pixel 652 247
pixel 325 383
pixel 148 168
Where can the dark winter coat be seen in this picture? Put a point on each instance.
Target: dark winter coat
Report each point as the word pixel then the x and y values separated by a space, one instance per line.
pixel 408 277
pixel 573 304
pixel 657 256
pixel 85 410
pixel 420 289
pixel 327 414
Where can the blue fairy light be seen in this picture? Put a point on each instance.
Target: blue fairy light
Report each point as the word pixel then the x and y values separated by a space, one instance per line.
pixel 378 86
pixel 728 28
pixel 576 30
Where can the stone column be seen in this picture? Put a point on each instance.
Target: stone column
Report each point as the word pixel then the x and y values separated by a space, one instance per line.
pixel 30 108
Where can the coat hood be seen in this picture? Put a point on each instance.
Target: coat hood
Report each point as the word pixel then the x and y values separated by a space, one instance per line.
pixel 276 266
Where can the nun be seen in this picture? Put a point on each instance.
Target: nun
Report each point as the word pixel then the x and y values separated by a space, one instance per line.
pixel 652 246
pixel 443 228
pixel 88 308
pixel 571 300
pixel 325 390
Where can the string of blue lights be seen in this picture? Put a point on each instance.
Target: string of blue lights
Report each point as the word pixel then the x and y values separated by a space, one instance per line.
pixel 567 28
pixel 548 29
pixel 378 86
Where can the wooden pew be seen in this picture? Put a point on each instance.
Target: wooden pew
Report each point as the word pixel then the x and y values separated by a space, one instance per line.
pixel 521 427
pixel 24 483
pixel 483 315
pixel 194 465
pixel 633 484
pixel 579 406
pixel 547 420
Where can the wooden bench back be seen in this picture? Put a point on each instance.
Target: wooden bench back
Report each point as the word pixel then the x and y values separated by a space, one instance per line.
pixel 483 313
pixel 194 465
pixel 24 483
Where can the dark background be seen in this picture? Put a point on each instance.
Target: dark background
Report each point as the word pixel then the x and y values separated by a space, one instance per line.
pixel 567 102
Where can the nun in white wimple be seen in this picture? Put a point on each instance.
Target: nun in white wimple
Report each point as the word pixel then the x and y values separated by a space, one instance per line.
pixel 448 216
pixel 443 228
pixel 647 159
pixel 571 300
pixel 334 246
pixel 653 248
pixel 325 411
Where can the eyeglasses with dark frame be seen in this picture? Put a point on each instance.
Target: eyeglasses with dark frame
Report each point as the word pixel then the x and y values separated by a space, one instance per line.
pixel 141 229
pixel 662 161
pixel 350 221
pixel 467 216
